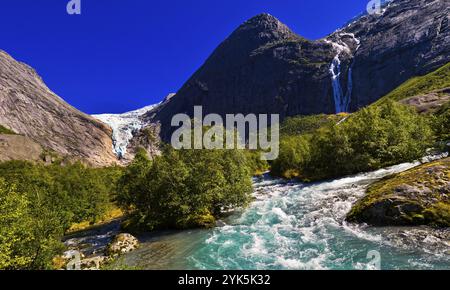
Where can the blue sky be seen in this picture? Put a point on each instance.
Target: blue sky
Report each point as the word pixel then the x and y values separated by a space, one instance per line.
pixel 120 55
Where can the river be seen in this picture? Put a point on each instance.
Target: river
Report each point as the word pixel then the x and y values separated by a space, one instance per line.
pixel 297 226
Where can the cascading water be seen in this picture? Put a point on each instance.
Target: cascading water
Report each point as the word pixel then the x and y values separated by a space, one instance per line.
pixel 338 93
pixel 297 226
pixel 342 101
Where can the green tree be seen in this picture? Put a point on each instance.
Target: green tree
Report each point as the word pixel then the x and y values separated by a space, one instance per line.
pixel 441 124
pixel 15 225
pixel 374 137
pixel 185 188
pixel 29 232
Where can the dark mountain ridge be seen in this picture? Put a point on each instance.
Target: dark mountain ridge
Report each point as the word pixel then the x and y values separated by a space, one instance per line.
pixel 264 67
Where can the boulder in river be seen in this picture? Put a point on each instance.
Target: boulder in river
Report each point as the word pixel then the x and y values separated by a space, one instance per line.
pixel 420 196
pixel 121 244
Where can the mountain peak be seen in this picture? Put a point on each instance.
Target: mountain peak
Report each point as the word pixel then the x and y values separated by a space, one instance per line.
pixel 262 28
pixel 263 17
pixel 264 22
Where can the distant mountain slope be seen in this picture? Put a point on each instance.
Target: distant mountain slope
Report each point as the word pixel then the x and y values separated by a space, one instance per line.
pixel 436 80
pixel 428 93
pixel 264 67
pixel 29 108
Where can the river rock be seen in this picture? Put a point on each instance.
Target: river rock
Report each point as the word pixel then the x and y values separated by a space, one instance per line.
pixel 415 197
pixel 121 244
pixel 93 263
pixel 220 224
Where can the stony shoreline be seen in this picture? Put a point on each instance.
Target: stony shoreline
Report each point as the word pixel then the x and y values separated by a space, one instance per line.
pixel 94 248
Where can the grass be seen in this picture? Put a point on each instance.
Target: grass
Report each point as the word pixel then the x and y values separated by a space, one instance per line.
pixel 433 81
pixel 6 131
pixel 301 125
pixel 112 214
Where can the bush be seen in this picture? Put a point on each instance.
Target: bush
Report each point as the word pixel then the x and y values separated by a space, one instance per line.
pixel 29 232
pixel 184 188
pixel 442 124
pixel 375 137
pixel 294 157
pixel 15 223
pixel 255 163
pixel 47 200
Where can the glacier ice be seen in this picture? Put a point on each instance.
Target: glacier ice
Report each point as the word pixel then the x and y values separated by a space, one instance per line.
pixel 124 127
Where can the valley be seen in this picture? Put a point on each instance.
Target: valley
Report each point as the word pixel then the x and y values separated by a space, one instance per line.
pixel 360 180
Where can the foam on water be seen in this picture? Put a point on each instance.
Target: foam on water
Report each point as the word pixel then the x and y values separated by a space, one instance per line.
pixel 299 226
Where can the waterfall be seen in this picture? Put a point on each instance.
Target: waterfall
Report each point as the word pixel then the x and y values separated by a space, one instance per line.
pixel 348 95
pixel 342 101
pixel 335 70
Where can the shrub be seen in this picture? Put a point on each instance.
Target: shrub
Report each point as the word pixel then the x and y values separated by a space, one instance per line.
pixel 375 137
pixel 39 203
pixel 29 232
pixel 185 188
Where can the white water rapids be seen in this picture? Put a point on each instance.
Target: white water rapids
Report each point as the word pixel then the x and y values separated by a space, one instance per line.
pixel 297 226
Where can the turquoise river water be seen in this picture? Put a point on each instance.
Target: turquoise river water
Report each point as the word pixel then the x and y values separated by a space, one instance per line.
pixel 297 226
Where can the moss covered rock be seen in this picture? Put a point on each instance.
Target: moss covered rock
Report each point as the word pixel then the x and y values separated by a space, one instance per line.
pixel 420 196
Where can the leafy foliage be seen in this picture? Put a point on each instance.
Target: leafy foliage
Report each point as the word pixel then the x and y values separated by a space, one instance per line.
pixel 39 203
pixel 442 124
pixel 15 223
pixel 255 163
pixel 373 138
pixel 184 188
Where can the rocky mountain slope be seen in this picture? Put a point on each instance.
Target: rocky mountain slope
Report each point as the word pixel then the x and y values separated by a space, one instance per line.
pixel 29 108
pixel 264 67
pixel 16 147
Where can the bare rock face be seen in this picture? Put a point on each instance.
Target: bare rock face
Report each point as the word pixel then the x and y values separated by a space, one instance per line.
pixel 16 147
pixel 264 67
pixel 410 38
pixel 28 107
pixel 429 103
pixel 148 138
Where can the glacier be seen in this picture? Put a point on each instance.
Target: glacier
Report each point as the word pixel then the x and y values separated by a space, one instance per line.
pixel 124 127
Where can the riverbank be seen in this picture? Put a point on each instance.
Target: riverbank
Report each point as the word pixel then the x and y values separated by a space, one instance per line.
pixel 296 226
